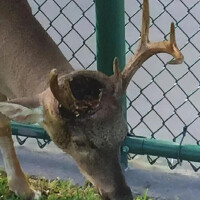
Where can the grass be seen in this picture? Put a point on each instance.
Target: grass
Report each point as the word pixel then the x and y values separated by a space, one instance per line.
pixel 55 190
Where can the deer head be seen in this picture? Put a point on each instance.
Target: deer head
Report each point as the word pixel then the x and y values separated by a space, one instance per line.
pixel 82 114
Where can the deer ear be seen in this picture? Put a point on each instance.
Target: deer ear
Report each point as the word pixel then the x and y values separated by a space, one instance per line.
pixel 22 110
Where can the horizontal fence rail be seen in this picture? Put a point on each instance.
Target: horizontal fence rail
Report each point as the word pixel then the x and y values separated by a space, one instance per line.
pixel 136 145
pixel 160 148
pixel 23 132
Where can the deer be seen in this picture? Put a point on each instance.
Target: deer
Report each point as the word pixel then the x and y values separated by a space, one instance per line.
pixel 79 109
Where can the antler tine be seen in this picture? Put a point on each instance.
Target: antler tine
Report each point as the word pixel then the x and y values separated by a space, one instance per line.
pixel 53 82
pixel 62 94
pixel 147 49
pixel 116 69
pixel 178 59
pixel 117 78
pixel 172 34
pixel 145 23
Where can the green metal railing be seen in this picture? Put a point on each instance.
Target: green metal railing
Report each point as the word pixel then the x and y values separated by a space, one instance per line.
pixel 136 145
pixel 23 132
pixel 165 116
pixel 153 147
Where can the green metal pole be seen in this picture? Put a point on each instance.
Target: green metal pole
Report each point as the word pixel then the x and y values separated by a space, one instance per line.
pixel 110 36
pixel 110 39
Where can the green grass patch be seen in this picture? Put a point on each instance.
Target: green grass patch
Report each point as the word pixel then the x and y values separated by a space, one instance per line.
pixel 55 190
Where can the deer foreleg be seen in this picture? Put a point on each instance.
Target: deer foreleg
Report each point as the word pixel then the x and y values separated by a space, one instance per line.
pixel 16 179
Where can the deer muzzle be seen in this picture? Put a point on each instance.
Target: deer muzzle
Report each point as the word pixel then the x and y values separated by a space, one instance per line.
pixel 108 178
pixel 117 195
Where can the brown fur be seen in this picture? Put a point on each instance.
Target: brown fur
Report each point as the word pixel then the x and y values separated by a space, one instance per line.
pixel 24 51
pixel 16 179
pixel 27 54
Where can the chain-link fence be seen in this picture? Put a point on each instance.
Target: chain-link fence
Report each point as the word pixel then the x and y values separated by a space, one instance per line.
pixel 162 100
pixel 71 24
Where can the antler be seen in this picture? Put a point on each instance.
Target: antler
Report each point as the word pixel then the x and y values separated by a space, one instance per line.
pixel 147 49
pixel 62 94
pixel 80 92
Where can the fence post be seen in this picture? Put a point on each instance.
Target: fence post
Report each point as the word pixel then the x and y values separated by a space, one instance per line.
pixel 110 39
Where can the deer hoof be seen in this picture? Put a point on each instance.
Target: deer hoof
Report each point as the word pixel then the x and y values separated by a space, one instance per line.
pixel 29 194
pixel 33 195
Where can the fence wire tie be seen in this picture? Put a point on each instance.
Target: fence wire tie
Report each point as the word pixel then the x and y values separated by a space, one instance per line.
pixel 180 145
pixel 20 141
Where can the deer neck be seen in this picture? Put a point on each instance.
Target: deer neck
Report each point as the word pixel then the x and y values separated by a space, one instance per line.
pixel 27 53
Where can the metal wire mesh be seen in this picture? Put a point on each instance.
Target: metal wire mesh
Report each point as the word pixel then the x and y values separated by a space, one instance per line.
pixel 71 24
pixel 162 100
